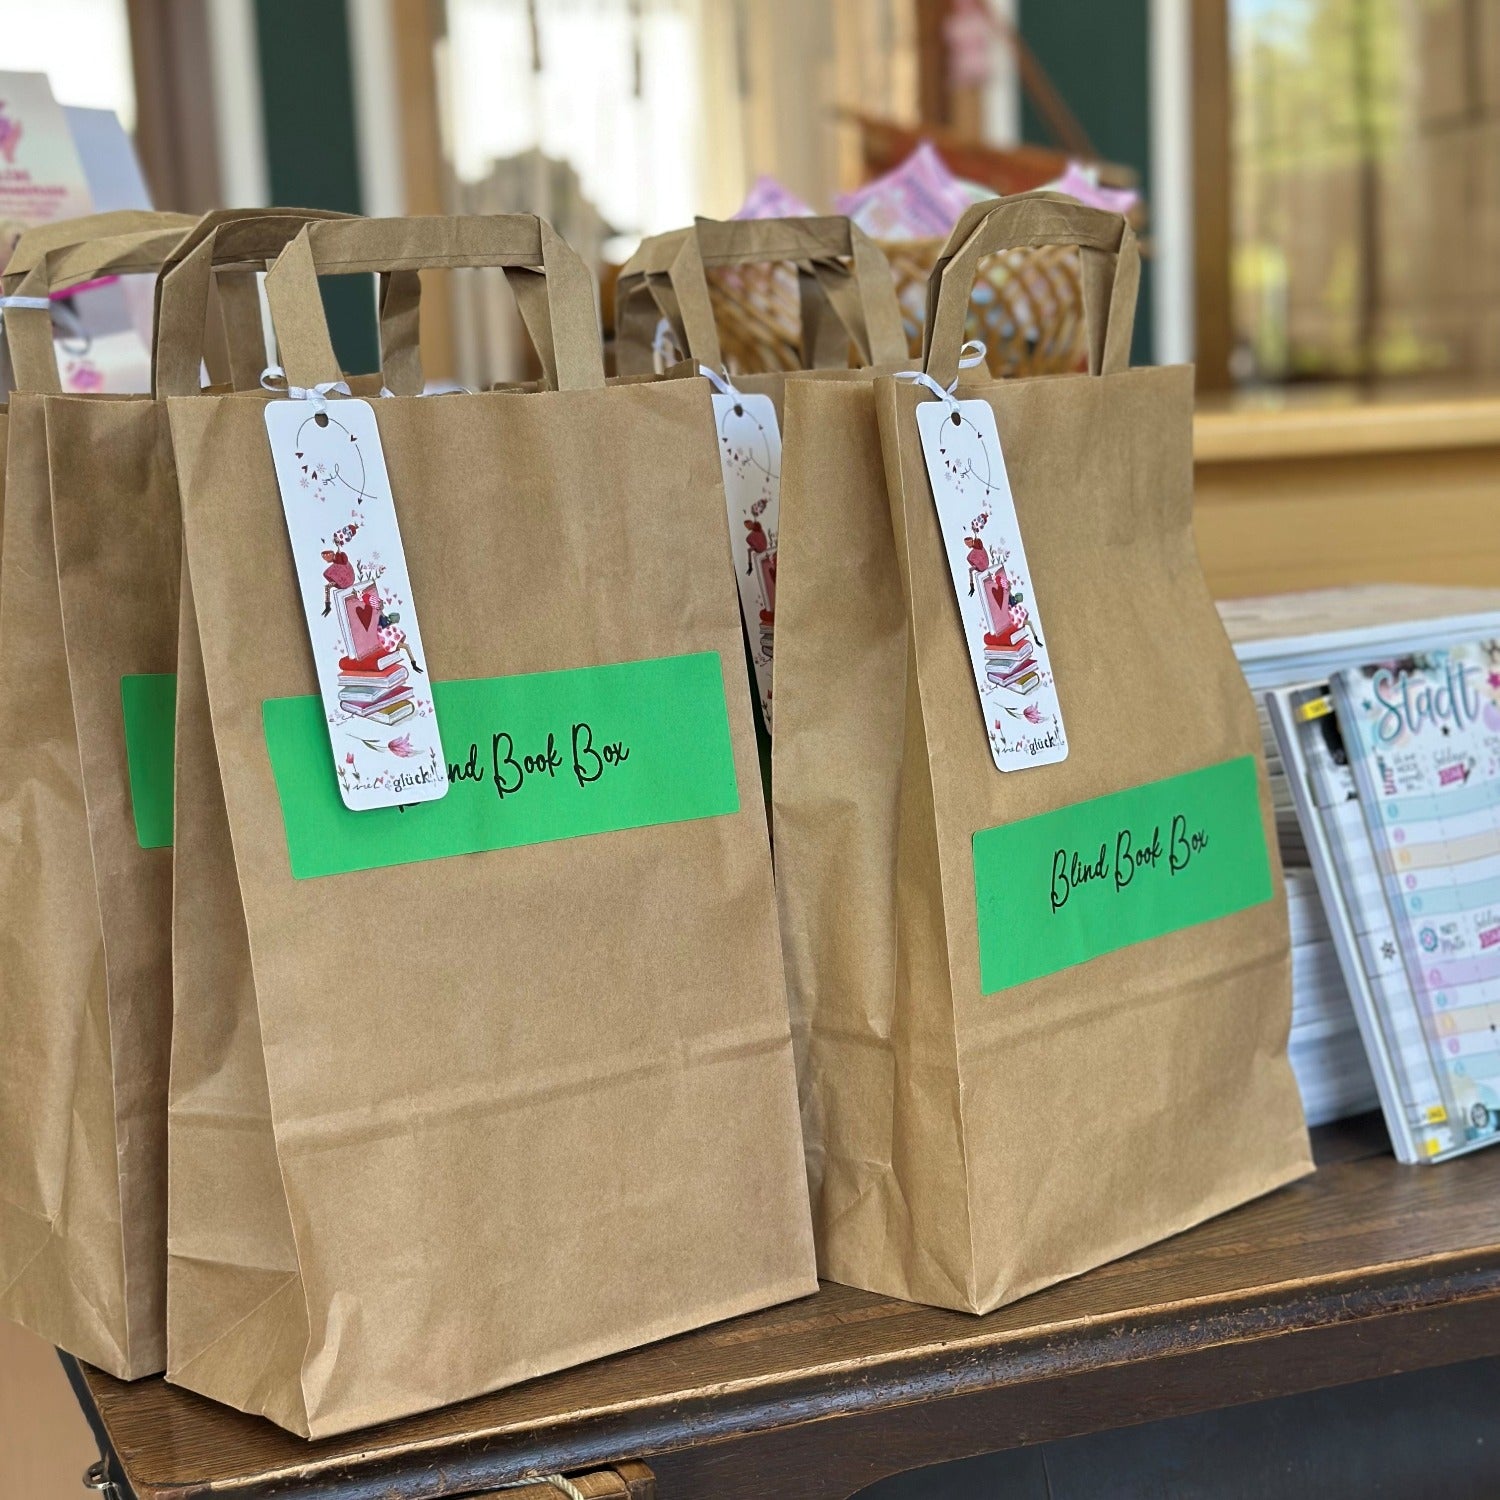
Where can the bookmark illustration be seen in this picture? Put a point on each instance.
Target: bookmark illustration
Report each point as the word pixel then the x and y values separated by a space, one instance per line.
pixel 356 595
pixel 997 605
pixel 750 456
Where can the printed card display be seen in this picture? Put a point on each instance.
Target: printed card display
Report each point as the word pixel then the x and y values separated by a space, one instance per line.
pixel 1327 799
pixel 1422 735
pixel 376 695
pixel 41 177
pixel 750 452
pixel 996 604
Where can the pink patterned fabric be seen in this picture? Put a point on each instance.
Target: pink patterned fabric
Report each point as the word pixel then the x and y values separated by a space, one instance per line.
pixel 769 199
pixel 1078 182
pixel 920 199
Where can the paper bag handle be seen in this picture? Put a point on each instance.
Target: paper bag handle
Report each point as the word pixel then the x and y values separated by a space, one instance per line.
pixel 28 330
pixel 224 249
pixel 646 297
pixel 839 270
pixel 554 289
pixel 1111 272
pixel 34 244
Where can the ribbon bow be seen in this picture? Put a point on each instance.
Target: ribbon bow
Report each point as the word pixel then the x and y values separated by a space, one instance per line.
pixel 273 378
pixel 721 383
pixel 970 355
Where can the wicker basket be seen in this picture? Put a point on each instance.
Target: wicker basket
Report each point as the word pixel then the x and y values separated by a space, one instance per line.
pixel 1026 306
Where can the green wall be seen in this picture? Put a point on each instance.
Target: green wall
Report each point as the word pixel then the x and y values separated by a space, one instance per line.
pixel 312 156
pixel 1097 53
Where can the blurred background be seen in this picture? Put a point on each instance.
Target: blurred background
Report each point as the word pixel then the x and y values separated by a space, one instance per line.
pixel 1316 184
pixel 1318 180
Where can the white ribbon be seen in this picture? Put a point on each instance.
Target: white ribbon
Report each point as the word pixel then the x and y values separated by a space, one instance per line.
pixel 68 324
pixel 970 355
pixel 454 390
pixel 664 350
pixel 721 383
pixel 273 378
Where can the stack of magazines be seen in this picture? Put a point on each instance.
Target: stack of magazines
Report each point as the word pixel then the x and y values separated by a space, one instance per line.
pixel 1381 707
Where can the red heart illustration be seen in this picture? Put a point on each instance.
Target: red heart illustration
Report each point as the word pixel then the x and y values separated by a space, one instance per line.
pixel 364 613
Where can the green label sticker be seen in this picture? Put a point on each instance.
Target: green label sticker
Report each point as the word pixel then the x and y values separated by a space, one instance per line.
pixel 531 758
pixel 149 700
pixel 1063 887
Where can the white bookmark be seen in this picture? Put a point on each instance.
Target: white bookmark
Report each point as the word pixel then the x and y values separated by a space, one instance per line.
pixel 356 594
pixel 749 440
pixel 997 604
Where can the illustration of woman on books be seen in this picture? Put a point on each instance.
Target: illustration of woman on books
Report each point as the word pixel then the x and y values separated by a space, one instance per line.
pixel 978 560
pixel 996 598
pixel 339 574
pixel 757 543
pixel 372 629
pixel 393 638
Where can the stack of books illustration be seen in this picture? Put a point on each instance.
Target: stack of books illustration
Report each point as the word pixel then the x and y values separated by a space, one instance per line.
pixel 372 680
pixel 374 687
pixel 1009 652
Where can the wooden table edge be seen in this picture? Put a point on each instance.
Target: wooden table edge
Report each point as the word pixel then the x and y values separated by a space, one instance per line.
pixel 760 1408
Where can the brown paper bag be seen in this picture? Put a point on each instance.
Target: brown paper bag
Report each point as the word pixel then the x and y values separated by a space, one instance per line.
pixel 80 1177
pixel 30 249
pixel 441 1126
pixel 848 307
pixel 840 639
pixel 848 300
pixel 115 539
pixel 33 246
pixel 972 1139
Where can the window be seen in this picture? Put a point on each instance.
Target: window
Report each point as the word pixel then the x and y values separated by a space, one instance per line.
pixel 609 86
pixel 82 45
pixel 1366 171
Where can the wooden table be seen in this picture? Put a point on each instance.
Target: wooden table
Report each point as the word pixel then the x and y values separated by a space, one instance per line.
pixel 1365 1269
